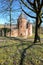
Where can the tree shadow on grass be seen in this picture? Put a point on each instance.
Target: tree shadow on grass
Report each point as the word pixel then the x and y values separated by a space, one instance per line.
pixel 24 52
pixel 10 45
pixel 22 43
pixel 7 46
pixel 23 55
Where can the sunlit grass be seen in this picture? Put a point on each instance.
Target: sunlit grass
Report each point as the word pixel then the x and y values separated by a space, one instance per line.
pixel 33 35
pixel 11 53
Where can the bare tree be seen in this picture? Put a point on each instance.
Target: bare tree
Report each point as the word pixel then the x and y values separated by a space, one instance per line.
pixel 10 10
pixel 36 6
pixel 7 8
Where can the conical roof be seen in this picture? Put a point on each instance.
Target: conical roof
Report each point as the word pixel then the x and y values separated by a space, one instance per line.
pixel 22 16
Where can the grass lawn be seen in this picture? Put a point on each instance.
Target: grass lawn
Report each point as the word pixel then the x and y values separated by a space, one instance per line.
pixel 41 36
pixel 11 52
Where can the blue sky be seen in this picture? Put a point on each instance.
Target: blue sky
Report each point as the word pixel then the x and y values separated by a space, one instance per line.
pixel 4 18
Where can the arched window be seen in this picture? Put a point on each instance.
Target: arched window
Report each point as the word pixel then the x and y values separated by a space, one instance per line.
pixel 21 34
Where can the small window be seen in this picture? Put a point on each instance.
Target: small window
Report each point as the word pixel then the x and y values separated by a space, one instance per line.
pixel 21 34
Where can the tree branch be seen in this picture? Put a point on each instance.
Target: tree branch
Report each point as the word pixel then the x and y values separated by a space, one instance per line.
pixel 40 23
pixel 38 4
pixel 27 6
pixel 41 13
pixel 11 2
pixel 35 7
pixel 42 16
pixel 6 9
pixel 28 14
pixel 41 6
pixel 33 4
pixel 30 2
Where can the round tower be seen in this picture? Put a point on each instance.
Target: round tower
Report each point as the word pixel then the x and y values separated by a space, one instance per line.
pixel 29 29
pixel 22 25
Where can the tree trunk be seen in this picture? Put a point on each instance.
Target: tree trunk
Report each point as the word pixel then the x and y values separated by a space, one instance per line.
pixel 5 32
pixel 37 37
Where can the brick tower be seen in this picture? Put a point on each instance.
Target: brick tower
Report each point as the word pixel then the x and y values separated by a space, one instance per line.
pixel 29 29
pixel 22 25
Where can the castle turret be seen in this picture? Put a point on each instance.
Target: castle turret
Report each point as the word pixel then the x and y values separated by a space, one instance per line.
pixel 29 29
pixel 22 25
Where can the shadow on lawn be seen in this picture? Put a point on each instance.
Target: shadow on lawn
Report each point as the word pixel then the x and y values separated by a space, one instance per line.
pixel 24 51
pixel 23 55
pixel 22 42
pixel 13 38
pixel 7 46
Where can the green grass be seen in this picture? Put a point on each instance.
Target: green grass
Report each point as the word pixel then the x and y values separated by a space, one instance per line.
pixel 41 35
pixel 10 52
pixel 31 37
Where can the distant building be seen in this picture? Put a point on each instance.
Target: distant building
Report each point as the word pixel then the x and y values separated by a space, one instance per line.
pixel 22 29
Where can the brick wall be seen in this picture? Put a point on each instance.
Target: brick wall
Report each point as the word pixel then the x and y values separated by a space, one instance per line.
pixel 22 27
pixel 14 33
pixel 30 29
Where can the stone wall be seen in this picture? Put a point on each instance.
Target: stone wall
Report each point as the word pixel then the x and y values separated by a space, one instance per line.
pixel 14 33
pixel 22 27
pixel 29 29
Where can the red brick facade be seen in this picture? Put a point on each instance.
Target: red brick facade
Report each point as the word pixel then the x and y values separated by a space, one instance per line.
pixel 22 31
